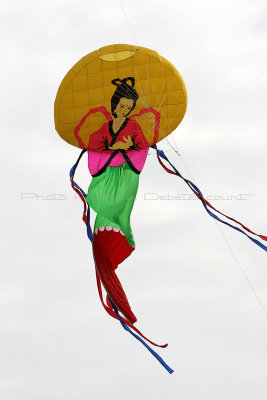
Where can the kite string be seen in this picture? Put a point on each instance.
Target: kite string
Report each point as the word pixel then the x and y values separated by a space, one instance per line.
pixel 148 81
pixel 243 271
pixel 134 39
pixel 245 276
pixel 128 23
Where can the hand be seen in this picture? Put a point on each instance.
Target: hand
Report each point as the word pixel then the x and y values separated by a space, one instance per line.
pixel 122 145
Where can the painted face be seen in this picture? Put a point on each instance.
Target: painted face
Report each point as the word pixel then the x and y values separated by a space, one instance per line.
pixel 124 107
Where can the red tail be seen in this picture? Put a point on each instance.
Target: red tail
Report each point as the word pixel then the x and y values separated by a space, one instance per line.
pixel 111 248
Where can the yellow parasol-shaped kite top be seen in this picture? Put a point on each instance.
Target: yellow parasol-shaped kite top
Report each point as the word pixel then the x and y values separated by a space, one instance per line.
pixel 88 85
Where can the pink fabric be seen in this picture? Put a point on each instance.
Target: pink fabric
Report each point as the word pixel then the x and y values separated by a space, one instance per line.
pixel 98 155
pixel 132 129
pixel 97 160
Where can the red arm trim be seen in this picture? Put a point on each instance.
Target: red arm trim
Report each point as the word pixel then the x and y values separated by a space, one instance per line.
pixel 92 111
pixel 157 121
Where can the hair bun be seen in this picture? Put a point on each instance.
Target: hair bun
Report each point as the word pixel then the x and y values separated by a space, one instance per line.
pixel 117 82
pixel 123 82
pixel 131 79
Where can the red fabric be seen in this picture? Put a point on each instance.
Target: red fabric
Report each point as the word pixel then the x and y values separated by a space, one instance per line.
pixel 110 249
pixel 113 314
pixel 157 121
pixel 92 111
pixel 132 128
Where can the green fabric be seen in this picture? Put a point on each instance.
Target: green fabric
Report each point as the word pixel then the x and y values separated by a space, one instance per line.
pixel 111 195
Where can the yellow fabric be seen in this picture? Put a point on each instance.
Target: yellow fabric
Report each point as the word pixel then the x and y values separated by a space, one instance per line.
pixel 88 85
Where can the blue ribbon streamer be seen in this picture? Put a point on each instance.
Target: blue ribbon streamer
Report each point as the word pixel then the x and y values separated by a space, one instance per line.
pixel 72 172
pixel 192 185
pixel 126 327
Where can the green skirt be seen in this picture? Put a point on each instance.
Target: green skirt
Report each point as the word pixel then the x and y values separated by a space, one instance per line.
pixel 111 195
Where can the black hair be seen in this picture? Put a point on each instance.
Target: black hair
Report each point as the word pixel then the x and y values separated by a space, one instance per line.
pixel 123 90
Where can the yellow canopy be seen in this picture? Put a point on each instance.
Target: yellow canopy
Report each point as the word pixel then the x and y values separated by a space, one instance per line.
pixel 88 85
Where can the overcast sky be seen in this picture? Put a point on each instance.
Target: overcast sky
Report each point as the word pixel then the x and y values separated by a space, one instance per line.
pixel 197 285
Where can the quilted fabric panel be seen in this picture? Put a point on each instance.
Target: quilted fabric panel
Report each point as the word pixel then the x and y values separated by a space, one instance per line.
pixel 88 85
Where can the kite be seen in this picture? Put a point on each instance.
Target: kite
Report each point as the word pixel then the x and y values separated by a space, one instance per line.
pixel 115 104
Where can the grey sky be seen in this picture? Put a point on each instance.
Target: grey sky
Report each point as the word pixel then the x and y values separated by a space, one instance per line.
pixel 183 280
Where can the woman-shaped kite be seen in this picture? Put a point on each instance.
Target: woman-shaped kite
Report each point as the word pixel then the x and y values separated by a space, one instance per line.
pixel 116 155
